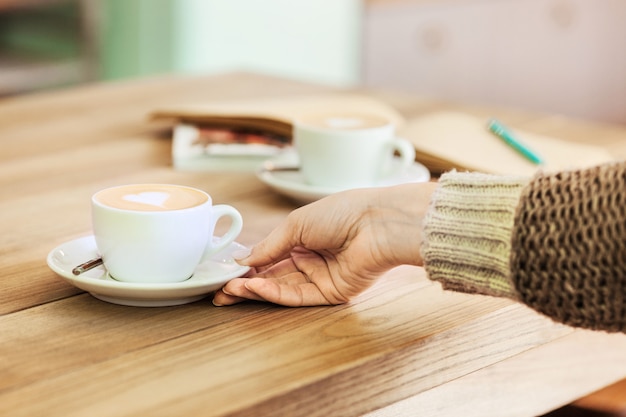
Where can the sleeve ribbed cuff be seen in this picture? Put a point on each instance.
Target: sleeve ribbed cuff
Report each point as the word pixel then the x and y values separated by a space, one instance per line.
pixel 467 232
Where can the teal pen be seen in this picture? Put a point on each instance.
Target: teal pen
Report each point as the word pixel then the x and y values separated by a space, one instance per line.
pixel 503 133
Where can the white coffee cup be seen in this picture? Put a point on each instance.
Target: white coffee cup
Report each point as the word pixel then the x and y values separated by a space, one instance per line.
pixel 158 233
pixel 349 150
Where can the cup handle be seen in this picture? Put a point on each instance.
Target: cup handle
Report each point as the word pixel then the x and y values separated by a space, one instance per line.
pixel 219 211
pixel 406 150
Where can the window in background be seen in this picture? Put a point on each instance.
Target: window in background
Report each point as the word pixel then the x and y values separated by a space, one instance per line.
pixel 46 44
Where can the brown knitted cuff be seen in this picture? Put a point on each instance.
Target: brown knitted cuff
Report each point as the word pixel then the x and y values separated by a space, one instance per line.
pixel 467 232
pixel 569 247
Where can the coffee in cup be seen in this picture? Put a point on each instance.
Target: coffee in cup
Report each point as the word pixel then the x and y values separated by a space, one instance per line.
pixel 158 233
pixel 349 150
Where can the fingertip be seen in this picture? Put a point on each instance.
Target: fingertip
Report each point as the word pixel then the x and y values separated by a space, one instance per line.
pixel 222 299
pixel 216 302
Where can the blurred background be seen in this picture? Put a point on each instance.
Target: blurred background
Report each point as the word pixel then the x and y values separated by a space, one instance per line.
pixel 558 56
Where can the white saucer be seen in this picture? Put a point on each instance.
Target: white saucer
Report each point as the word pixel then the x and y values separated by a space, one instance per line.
pixel 210 275
pixel 291 183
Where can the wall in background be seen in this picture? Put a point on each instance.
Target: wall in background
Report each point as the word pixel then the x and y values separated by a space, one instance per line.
pixel 137 37
pixel 563 56
pixel 312 39
pixel 316 40
pixel 555 56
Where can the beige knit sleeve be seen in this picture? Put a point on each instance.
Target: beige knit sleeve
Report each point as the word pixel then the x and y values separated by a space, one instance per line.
pixel 556 242
pixel 467 232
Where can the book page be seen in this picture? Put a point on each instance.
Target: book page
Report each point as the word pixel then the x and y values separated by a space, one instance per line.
pixel 447 140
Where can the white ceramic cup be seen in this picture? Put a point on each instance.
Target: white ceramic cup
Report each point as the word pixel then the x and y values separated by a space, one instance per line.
pixel 349 150
pixel 158 233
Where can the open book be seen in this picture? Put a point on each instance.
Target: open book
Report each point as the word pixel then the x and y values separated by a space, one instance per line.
pixel 240 135
pixel 447 140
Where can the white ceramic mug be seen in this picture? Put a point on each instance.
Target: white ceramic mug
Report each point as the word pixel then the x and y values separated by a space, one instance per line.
pixel 349 150
pixel 158 233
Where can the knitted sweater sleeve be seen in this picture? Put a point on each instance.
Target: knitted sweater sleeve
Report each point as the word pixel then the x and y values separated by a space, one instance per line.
pixel 556 242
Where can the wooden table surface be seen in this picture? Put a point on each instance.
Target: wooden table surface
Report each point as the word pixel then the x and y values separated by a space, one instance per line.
pixel 405 347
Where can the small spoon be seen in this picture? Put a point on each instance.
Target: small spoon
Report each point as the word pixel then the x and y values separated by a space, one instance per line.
pixel 84 267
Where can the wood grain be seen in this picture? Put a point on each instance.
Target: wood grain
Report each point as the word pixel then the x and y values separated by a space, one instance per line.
pixel 515 387
pixel 404 341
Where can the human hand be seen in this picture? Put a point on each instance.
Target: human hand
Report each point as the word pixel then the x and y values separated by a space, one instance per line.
pixel 329 251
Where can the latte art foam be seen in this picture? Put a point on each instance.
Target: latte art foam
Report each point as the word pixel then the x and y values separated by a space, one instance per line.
pixel 150 197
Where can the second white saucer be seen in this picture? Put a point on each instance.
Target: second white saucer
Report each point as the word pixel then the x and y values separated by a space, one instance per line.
pixel 292 184
pixel 212 273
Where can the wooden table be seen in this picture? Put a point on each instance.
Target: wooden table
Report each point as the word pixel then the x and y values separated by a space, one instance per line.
pixel 404 347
